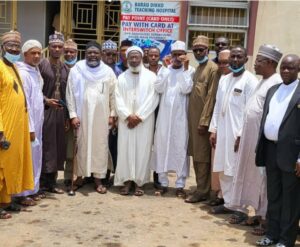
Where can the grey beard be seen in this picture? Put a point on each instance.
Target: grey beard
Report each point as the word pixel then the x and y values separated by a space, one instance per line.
pixel 93 64
pixel 135 69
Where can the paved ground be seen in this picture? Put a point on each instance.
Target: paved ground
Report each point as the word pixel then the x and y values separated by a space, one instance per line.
pixel 111 220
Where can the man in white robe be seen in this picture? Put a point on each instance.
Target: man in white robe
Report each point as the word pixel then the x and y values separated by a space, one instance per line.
pixel 174 83
pixel 33 84
pixel 136 101
pixel 233 94
pixel 90 100
pixel 249 184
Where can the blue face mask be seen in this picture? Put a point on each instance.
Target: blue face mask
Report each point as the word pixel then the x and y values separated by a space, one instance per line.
pixel 235 71
pixel 72 62
pixel 11 57
pixel 203 60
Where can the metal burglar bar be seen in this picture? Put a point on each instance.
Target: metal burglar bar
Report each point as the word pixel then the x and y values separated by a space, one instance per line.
pixel 84 15
pixel 112 20
pixel 5 16
pixel 94 20
pixel 217 18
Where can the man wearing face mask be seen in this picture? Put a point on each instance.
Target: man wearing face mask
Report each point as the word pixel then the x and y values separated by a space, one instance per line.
pixel 70 57
pixel 16 171
pixel 70 53
pixel 90 100
pixel 174 83
pixel 233 94
pixel 200 108
pixel 33 84
pixel 55 74
pixel 136 101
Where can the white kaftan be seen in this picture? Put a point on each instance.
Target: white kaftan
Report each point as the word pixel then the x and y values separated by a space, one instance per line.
pixel 33 84
pixel 249 184
pixel 90 97
pixel 135 94
pixel 171 134
pixel 227 120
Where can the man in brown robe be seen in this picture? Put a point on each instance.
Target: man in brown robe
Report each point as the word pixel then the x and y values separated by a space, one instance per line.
pixel 200 109
pixel 55 74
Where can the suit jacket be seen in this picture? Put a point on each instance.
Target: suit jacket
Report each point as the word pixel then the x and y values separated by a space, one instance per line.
pixel 288 145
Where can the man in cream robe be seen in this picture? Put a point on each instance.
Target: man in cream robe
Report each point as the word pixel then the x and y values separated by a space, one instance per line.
pixel 90 100
pixel 233 93
pixel 33 84
pixel 174 83
pixel 136 101
pixel 249 184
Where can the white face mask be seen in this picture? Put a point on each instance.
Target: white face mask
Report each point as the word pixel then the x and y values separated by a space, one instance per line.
pixel 135 69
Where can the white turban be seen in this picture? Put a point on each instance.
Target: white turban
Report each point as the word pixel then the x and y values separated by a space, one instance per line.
pixel 31 44
pixel 134 48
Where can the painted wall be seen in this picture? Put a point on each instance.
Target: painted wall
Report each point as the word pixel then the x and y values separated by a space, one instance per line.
pixel 32 20
pixel 277 23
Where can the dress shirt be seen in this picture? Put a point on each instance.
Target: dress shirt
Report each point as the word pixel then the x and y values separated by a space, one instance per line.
pixel 277 108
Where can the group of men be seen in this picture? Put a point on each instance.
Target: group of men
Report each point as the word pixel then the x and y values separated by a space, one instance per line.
pixel 93 116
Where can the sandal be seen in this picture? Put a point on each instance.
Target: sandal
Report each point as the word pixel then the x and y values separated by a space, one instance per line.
pixel 54 190
pixel 260 230
pixel 124 191
pixel 180 193
pixel 13 207
pixel 25 201
pixel 251 221
pixel 138 191
pixel 237 218
pixel 216 202
pixel 35 197
pixel 101 189
pixel 161 190
pixel 42 194
pixel 4 215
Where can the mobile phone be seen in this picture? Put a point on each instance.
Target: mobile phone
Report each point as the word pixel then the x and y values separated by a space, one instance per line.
pixel 62 103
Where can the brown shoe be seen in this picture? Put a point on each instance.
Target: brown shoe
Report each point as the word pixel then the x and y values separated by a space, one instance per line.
pixel 195 197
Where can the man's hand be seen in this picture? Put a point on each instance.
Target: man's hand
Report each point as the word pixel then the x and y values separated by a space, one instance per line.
pixel 167 60
pixel 237 144
pixel 133 121
pixel 53 103
pixel 202 130
pixel 32 136
pixel 112 121
pixel 75 122
pixel 297 170
pixel 213 140
pixel 185 61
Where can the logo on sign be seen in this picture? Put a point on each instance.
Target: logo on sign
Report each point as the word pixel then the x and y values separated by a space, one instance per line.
pixel 127 7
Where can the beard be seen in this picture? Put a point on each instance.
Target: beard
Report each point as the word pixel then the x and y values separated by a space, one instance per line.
pixel 93 63
pixel 136 69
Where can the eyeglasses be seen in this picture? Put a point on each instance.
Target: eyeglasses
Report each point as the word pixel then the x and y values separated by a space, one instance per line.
pixel 199 50
pixel 10 45
pixel 220 44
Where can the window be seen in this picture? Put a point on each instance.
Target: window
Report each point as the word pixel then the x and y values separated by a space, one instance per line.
pixel 217 18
